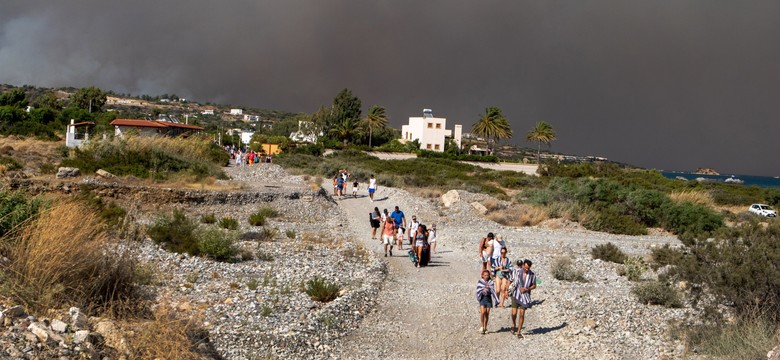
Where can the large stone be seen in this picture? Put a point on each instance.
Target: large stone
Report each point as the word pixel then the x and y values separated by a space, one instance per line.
pixel 15 312
pixel 104 174
pixel 450 198
pixel 59 326
pixel 112 336
pixel 78 321
pixel 481 209
pixel 66 172
pixel 80 336
pixel 44 334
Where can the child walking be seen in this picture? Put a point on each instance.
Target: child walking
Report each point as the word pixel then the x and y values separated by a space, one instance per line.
pixel 487 298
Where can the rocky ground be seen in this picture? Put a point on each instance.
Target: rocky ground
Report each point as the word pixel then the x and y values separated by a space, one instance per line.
pixel 255 308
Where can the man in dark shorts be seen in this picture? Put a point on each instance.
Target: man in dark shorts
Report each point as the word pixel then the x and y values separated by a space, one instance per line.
pixel 523 281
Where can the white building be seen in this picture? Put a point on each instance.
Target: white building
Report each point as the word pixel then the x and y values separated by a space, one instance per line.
pixel 431 131
pixel 248 117
pixel 246 137
pixel 306 133
pixel 236 111
pixel 207 112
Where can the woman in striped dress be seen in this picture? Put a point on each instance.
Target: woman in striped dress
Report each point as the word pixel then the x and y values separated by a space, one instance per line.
pixel 487 298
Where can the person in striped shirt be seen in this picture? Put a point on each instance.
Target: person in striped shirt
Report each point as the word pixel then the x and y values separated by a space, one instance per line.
pixel 487 298
pixel 523 281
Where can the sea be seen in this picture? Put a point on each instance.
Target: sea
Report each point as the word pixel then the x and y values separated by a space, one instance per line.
pixel 747 180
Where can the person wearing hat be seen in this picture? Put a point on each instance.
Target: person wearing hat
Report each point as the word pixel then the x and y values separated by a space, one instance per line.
pixel 483 253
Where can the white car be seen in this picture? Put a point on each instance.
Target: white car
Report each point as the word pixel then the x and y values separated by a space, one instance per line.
pixel 763 210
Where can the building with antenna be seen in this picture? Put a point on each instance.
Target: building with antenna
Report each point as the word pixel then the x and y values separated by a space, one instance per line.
pixel 430 131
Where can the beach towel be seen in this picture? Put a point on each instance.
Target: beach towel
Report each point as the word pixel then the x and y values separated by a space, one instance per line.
pixel 487 288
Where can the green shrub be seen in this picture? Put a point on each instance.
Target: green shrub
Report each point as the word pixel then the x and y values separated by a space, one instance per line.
pixel 320 290
pixel 228 223
pixel 217 244
pixel 608 252
pixel 634 267
pixel 252 284
pixel 290 234
pixel 613 221
pixel 176 233
pixel 208 218
pixel 562 269
pixel 691 221
pixel 646 206
pixel 738 266
pixel 657 293
pixel 11 163
pixel 265 234
pixel 16 208
pixel 268 212
pixel 257 219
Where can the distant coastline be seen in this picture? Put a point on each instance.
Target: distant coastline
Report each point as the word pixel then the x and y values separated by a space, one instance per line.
pixel 747 180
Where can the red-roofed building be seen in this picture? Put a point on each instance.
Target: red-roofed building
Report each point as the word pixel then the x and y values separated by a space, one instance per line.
pixel 153 128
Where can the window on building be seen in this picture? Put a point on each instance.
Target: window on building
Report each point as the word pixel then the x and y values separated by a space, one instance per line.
pixel 430 125
pixel 428 146
pixel 438 126
pixel 436 147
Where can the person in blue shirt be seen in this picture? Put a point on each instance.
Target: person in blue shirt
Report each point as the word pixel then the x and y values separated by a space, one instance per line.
pixel 399 220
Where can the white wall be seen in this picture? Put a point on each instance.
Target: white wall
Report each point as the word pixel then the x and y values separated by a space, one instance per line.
pixel 431 132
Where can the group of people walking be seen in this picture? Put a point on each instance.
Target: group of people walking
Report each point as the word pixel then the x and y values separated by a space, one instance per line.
pixel 392 228
pixel 342 180
pixel 499 280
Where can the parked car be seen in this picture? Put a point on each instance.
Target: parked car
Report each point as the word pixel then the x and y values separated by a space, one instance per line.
pixel 763 210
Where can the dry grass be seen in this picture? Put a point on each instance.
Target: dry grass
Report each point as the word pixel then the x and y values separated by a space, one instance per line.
pixel 30 145
pixel 693 196
pixel 492 204
pixel 311 238
pixel 520 215
pixel 194 148
pixel 62 258
pixel 171 334
pixel 426 193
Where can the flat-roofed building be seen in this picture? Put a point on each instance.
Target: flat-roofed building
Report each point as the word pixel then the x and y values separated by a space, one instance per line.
pixel 430 131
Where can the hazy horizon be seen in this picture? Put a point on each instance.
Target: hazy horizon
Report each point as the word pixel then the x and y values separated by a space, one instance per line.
pixel 672 85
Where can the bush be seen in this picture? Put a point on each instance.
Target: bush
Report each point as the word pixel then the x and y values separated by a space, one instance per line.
pixel 265 234
pixel 744 257
pixel 228 223
pixel 15 209
pixel 217 244
pixel 290 234
pixel 176 234
pixel 256 219
pixel 62 259
pixel 613 221
pixel 633 268
pixel 646 206
pixel 657 293
pixel 608 252
pixel 320 290
pixel 562 269
pixel 690 221
pixel 208 218
pixel 749 338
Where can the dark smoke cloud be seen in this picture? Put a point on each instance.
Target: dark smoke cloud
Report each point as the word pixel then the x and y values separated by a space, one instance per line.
pixel 667 84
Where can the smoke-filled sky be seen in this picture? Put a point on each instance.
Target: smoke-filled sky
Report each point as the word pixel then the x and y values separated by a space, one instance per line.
pixel 666 84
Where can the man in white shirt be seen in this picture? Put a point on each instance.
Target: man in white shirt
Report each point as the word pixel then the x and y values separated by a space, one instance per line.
pixel 371 187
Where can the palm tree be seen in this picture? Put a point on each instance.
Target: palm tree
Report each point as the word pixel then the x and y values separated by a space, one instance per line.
pixel 493 125
pixel 542 132
pixel 346 129
pixel 376 119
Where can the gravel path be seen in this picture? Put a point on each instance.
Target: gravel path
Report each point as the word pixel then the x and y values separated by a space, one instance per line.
pixel 432 313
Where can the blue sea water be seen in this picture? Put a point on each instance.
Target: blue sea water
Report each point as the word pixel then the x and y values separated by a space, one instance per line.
pixel 748 180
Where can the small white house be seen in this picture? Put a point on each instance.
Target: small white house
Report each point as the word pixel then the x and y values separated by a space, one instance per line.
pixel 306 133
pixel 207 112
pixel 77 134
pixel 431 131
pixel 236 111
pixel 248 117
pixel 246 137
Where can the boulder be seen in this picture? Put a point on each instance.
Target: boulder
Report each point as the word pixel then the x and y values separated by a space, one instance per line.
pixel 481 209
pixel 15 312
pixel 78 321
pixel 104 174
pixel 66 172
pixel 59 326
pixel 112 335
pixel 80 336
pixel 45 335
pixel 450 198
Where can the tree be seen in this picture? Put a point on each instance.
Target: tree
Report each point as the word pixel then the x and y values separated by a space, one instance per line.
pixel 347 129
pixel 90 99
pixel 542 132
pixel 493 125
pixel 47 101
pixel 345 106
pixel 14 97
pixel 375 119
